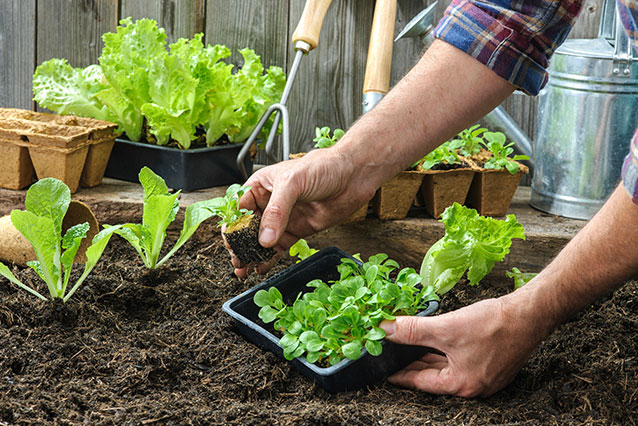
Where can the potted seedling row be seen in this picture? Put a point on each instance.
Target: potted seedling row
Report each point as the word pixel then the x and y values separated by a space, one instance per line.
pixel 325 311
pixel 182 111
pixel 498 174
pixel 323 139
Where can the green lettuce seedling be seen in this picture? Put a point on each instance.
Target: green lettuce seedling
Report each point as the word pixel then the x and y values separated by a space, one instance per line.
pixel 302 250
pixel 443 154
pixel 323 138
pixel 226 208
pixel 337 321
pixel 471 243
pixel 520 278
pixel 470 140
pixel 160 209
pixel 41 224
pixel 501 152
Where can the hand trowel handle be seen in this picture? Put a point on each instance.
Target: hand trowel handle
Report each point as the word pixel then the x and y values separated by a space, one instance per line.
pixel 378 66
pixel 309 26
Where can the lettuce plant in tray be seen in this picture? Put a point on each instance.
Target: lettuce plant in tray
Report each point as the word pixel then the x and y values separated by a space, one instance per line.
pixel 171 100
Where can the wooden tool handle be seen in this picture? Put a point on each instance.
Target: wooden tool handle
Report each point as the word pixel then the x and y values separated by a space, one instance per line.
pixel 379 63
pixel 309 26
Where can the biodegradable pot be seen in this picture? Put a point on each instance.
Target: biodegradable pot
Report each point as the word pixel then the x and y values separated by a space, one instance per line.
pixel 347 375
pixel 395 197
pixel 17 169
pixel 243 239
pixel 60 163
pixel 185 169
pixel 442 188
pixel 96 161
pixel 492 191
pixel 359 215
pixel 16 249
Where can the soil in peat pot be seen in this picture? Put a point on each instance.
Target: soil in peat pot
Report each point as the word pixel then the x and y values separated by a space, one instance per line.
pixel 137 347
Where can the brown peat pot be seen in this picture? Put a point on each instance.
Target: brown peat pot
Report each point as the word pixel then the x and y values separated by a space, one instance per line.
pixel 442 188
pixel 492 191
pixel 395 197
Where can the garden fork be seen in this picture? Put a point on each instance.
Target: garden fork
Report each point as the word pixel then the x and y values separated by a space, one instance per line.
pixel 305 39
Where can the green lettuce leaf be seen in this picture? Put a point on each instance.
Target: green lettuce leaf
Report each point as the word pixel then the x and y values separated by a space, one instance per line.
pixel 472 244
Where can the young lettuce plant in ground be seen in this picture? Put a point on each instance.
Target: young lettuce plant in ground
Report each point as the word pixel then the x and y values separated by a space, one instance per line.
pixel 323 138
pixel 501 152
pixel 160 209
pixel 41 224
pixel 302 250
pixel 336 321
pixel 520 278
pixel 241 226
pixel 472 244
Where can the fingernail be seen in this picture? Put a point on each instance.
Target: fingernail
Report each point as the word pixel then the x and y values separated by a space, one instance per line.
pixel 388 327
pixel 267 236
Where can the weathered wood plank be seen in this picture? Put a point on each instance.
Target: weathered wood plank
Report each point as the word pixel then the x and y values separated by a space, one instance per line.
pixel 73 29
pixel 328 88
pixel 179 18
pixel 17 53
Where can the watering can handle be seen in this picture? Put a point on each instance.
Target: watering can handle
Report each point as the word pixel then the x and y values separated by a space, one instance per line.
pixel 379 63
pixel 309 26
pixel 608 20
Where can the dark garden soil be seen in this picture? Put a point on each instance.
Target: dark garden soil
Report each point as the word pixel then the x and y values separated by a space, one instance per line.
pixel 136 347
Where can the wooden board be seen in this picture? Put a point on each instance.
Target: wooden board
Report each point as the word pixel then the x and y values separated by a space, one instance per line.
pixel 179 18
pixel 17 53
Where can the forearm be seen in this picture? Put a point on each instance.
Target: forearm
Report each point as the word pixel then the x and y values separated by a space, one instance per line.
pixel 444 93
pixel 599 258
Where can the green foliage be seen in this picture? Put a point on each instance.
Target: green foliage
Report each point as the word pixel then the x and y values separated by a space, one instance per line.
pixel 470 140
pixel 160 210
pixel 501 152
pixel 337 321
pixel 323 138
pixel 520 278
pixel 177 91
pixel 302 250
pixel 227 207
pixel 443 154
pixel 41 224
pixel 471 243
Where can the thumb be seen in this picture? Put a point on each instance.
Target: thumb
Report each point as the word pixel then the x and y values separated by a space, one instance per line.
pixel 405 330
pixel 274 219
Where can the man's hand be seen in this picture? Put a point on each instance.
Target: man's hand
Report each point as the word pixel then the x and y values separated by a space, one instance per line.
pixel 298 198
pixel 485 345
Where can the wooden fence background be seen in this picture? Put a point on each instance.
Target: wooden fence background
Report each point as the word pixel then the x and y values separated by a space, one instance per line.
pixel 327 90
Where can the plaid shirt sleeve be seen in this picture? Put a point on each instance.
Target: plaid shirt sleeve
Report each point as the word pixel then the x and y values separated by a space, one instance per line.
pixel 514 38
pixel 630 170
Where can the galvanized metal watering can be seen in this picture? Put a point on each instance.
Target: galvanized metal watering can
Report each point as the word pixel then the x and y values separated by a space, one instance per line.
pixel 587 113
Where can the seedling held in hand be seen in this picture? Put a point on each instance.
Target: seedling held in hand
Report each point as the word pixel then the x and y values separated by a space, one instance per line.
pixel 242 226
pixel 41 224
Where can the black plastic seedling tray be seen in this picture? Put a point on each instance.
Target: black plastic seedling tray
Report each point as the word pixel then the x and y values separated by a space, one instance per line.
pixel 187 170
pixel 347 375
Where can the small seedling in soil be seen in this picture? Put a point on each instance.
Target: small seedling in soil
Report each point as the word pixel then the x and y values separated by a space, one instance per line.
pixel 302 250
pixel 470 140
pixel 323 138
pixel 444 157
pixel 46 204
pixel 337 320
pixel 500 153
pixel 242 226
pixel 160 209
pixel 520 278
pixel 472 244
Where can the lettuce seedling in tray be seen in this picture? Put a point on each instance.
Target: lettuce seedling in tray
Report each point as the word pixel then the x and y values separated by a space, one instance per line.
pixel 46 204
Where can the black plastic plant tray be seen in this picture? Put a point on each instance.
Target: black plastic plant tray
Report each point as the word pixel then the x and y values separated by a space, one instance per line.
pixel 347 375
pixel 187 170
